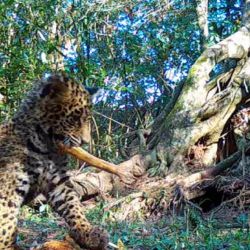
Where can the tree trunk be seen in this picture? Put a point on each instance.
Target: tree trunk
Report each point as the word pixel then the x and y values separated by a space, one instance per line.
pixel 189 134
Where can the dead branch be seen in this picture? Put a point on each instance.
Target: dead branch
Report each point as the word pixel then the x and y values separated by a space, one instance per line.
pixel 94 161
pixel 213 171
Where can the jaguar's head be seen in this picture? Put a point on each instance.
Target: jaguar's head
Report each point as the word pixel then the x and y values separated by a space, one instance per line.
pixel 65 109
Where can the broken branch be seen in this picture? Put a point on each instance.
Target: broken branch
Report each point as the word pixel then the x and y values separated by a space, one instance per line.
pixel 94 161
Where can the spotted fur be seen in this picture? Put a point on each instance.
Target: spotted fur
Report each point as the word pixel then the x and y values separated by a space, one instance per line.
pixel 56 110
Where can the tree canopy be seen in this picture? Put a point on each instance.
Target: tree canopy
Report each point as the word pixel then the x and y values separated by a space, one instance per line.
pixel 137 51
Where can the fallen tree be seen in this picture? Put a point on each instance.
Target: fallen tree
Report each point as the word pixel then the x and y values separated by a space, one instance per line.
pixel 167 189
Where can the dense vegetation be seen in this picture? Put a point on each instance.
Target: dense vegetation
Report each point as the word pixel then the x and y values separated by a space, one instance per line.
pixel 140 54
pixel 137 51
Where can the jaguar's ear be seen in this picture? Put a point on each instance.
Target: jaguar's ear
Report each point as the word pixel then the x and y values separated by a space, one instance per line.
pixel 54 86
pixel 92 91
pixel 46 90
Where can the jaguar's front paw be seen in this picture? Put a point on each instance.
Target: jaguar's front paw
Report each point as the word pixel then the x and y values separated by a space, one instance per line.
pixel 94 239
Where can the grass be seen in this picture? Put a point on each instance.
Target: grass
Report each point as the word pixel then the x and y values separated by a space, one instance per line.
pixel 187 232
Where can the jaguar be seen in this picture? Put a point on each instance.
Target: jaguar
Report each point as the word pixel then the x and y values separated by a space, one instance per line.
pixel 56 110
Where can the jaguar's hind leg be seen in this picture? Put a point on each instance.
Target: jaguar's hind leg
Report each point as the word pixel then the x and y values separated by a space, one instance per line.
pixel 13 188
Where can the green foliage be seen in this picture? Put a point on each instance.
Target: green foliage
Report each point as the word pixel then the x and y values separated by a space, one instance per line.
pixel 138 51
pixel 188 232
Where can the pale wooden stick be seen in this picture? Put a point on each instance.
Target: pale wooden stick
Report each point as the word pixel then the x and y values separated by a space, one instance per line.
pixel 90 159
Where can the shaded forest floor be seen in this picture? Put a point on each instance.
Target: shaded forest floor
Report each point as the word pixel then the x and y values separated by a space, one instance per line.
pixel 224 227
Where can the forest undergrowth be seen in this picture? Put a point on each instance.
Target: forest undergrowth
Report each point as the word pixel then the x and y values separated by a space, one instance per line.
pixel 224 227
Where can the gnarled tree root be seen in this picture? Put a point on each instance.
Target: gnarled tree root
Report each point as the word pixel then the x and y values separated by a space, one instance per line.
pixel 152 197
